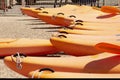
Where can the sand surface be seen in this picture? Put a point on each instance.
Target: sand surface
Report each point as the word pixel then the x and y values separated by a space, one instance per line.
pixel 15 25
pixel 22 27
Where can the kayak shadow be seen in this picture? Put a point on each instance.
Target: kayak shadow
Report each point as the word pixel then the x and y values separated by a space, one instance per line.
pixel 46 27
pixel 52 31
pixel 27 19
pixel 103 65
pixel 1 57
pixel 40 23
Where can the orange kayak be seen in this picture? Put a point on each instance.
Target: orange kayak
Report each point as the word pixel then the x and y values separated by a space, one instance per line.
pixel 87 64
pixel 48 19
pixel 33 47
pixel 49 15
pixel 26 10
pixel 56 17
pixel 91 37
pixel 88 32
pixel 34 11
pixel 49 73
pixel 112 27
pixel 108 47
pixel 89 17
pixel 80 46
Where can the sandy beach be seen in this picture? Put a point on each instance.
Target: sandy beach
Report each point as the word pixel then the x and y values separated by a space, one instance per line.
pixel 15 25
pixel 22 27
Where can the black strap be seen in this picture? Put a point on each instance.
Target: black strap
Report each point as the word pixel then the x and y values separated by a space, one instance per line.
pixel 48 69
pixel 63 32
pixel 61 36
pixel 79 21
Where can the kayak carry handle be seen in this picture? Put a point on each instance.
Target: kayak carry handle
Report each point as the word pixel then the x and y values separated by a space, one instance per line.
pixel 46 69
pixel 72 16
pixel 45 12
pixel 41 71
pixel 40 8
pixel 63 32
pixel 60 13
pixel 79 21
pixel 62 36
